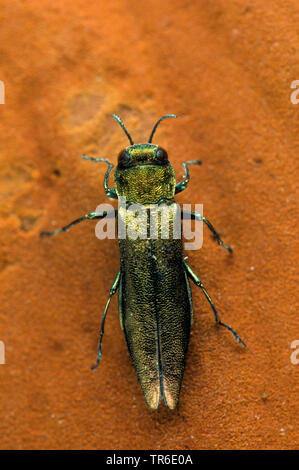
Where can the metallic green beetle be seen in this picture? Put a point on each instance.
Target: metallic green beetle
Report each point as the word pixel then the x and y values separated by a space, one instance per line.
pixel 155 303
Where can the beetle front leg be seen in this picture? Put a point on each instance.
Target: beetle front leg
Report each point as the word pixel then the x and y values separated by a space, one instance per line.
pixel 90 216
pixel 198 282
pixel 216 236
pixel 113 290
pixel 183 184
pixel 110 192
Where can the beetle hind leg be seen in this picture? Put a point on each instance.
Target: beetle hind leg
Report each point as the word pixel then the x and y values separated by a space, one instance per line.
pixel 113 290
pixel 198 282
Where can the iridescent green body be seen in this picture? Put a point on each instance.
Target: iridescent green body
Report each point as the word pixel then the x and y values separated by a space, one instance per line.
pixel 154 295
pixel 155 304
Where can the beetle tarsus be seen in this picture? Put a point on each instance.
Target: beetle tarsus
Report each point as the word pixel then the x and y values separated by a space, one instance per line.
pixel 237 337
pixel 97 363
pixel 227 247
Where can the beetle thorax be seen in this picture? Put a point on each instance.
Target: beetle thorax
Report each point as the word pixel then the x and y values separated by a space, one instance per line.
pixel 144 174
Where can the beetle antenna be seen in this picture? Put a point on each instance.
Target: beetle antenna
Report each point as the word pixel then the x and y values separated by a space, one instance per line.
pixel 157 123
pixel 123 128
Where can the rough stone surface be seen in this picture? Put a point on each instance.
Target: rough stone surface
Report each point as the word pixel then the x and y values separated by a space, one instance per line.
pixel 226 69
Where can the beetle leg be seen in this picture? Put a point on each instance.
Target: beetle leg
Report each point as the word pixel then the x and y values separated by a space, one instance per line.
pixel 183 184
pixel 113 290
pixel 110 192
pixel 198 282
pixel 216 236
pixel 90 216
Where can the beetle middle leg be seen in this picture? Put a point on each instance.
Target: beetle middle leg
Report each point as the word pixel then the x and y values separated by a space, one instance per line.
pixel 90 216
pixel 198 282
pixel 113 290
pixel 216 236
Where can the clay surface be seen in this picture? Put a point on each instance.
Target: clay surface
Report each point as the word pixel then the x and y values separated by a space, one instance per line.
pixel 225 68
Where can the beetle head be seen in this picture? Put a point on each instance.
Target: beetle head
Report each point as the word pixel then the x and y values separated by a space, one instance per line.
pixel 144 174
pixel 142 154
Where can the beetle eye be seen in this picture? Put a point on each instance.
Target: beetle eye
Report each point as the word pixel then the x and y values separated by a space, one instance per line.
pixel 161 155
pixel 123 158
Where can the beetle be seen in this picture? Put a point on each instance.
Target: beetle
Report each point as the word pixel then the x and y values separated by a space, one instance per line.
pixel 154 295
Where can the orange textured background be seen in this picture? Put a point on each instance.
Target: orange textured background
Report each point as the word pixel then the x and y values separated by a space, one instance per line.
pixel 226 69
